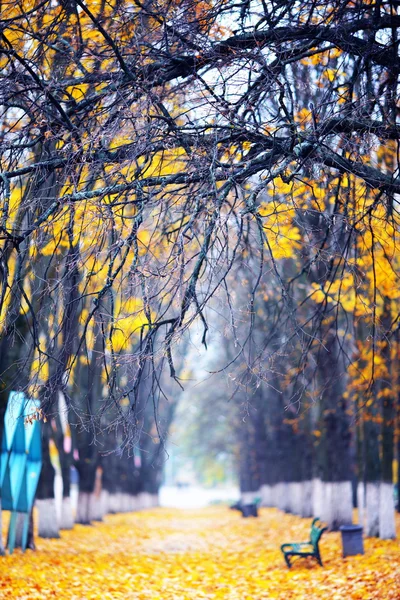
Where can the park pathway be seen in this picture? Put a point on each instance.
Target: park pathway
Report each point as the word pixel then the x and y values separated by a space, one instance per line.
pixel 213 553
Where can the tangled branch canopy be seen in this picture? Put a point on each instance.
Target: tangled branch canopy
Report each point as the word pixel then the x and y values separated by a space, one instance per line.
pixel 158 155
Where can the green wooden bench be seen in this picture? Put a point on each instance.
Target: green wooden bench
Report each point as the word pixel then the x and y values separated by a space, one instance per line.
pixel 310 548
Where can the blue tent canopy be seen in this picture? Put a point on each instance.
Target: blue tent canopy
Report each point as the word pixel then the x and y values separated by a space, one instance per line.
pixel 21 461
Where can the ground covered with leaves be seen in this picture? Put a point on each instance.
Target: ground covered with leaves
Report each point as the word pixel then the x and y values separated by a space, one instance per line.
pixel 170 554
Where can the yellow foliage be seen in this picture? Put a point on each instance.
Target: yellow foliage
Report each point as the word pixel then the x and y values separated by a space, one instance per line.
pixel 40 369
pixel 283 237
pixel 210 554
pixel 77 92
pixel 303 116
pixel 340 290
pixel 129 319
pixel 166 163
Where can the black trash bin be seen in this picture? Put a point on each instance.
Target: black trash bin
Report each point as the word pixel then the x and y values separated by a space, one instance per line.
pixel 352 540
pixel 249 510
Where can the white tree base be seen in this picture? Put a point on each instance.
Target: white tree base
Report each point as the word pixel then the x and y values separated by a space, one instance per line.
pixel 372 510
pixel 96 507
pixel 275 491
pixel 119 502
pixel 104 502
pixel 295 497
pixel 387 524
pixel 83 512
pixel 339 504
pixel 318 499
pixel 289 502
pixel 145 500
pixel 48 522
pixel 105 499
pixel 125 503
pixel 266 495
pixel 306 497
pixel 113 503
pixel 282 496
pixel 133 503
pixel 67 517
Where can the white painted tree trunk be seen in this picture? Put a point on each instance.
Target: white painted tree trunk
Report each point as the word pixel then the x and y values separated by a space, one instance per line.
pixel 119 502
pixel 48 522
pixel 266 495
pixel 282 492
pixel 318 498
pixel 306 496
pixel 67 517
pixel 144 501
pixel 276 492
pixel 126 502
pixel 387 524
pixel 104 502
pixel 134 503
pixel 296 497
pixel 113 503
pixel 288 501
pixel 95 507
pixel 139 501
pixel 280 501
pixel 325 513
pixel 83 515
pixel 105 498
pixel 361 504
pixel 372 510
pixel 272 496
pixel 339 504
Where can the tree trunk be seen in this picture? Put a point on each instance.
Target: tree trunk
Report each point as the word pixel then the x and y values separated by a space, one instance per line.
pixel 387 525
pixel 46 504
pixel 109 477
pixel 86 467
pixel 249 476
pixel 335 445
pixel 65 457
pixel 90 387
pixel 372 471
pixel 307 462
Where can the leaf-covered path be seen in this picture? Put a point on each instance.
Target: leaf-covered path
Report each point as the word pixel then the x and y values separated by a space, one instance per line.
pixel 168 554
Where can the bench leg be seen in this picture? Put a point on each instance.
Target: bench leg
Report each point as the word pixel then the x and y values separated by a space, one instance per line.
pixel 287 560
pixel 319 560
